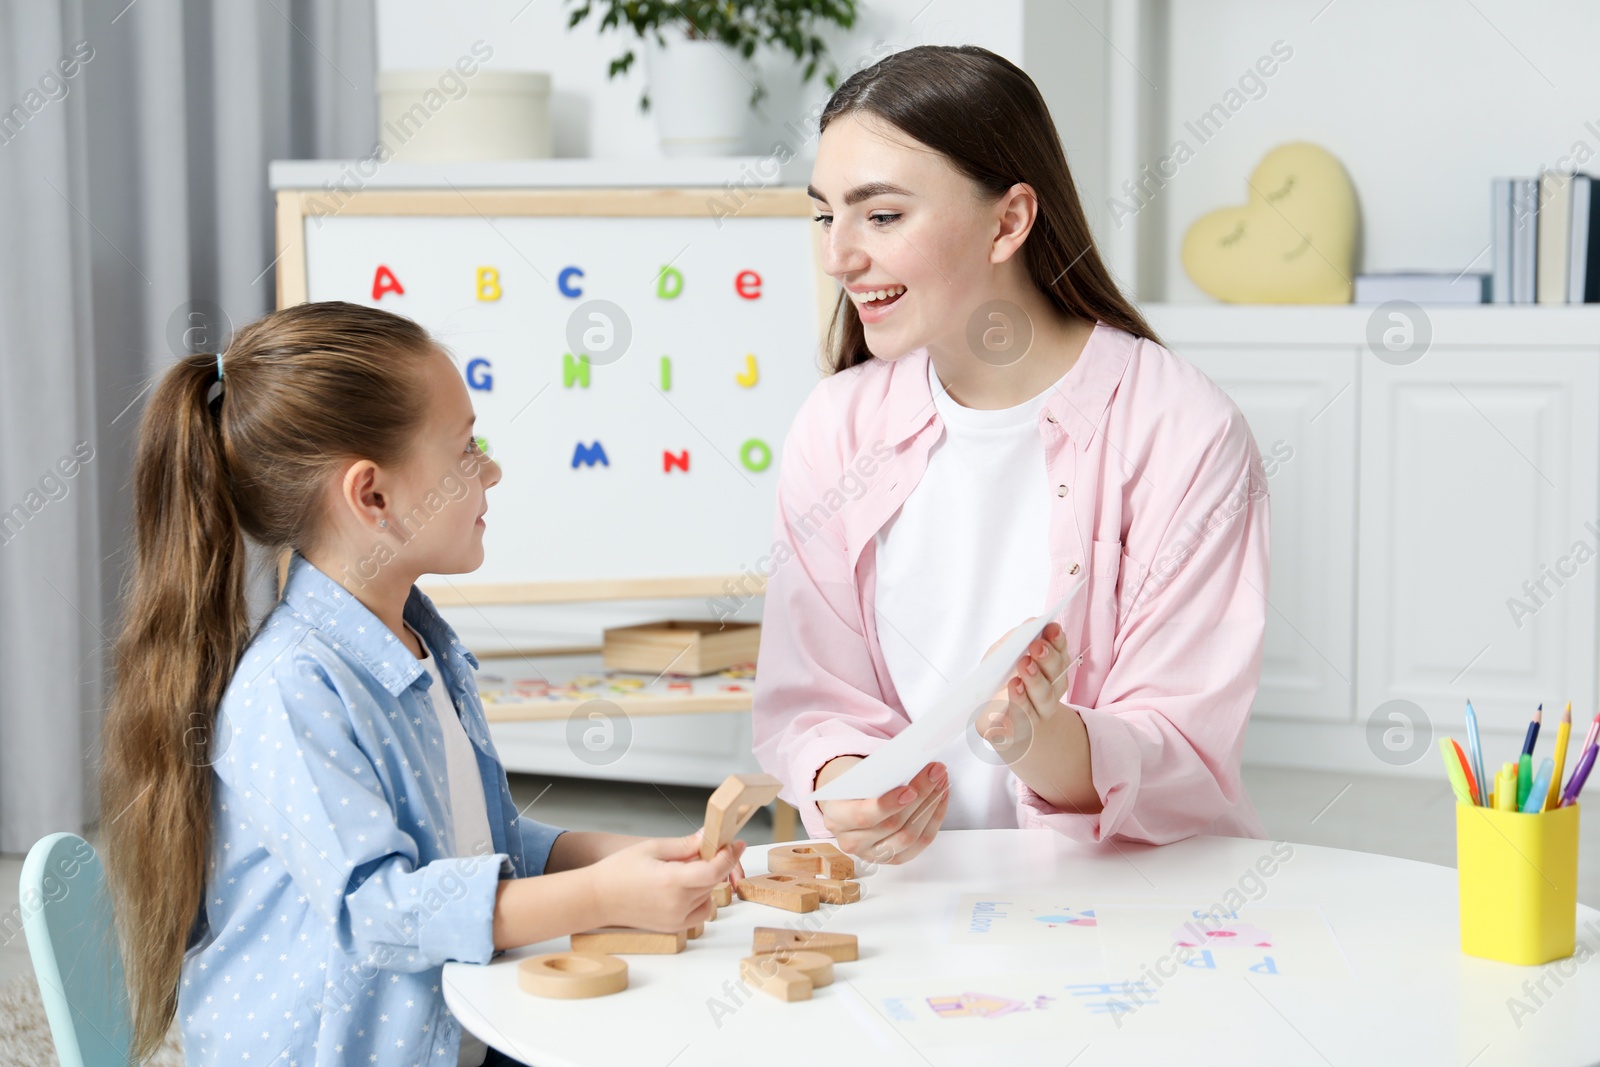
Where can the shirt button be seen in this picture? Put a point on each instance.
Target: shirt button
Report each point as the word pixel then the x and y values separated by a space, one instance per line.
pixel 1049 418
pixel 1061 490
pixel 1072 569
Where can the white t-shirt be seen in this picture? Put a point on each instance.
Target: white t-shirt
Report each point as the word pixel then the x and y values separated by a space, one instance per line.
pixel 964 560
pixel 468 809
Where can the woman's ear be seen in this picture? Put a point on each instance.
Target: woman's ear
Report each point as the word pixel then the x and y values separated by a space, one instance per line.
pixel 1016 211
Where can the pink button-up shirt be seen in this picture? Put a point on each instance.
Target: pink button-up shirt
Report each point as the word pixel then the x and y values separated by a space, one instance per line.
pixel 1158 494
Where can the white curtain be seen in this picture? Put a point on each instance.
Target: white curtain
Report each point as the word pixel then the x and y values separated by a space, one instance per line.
pixel 135 225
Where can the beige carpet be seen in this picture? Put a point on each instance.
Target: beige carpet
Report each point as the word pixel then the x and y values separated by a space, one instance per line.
pixel 25 1032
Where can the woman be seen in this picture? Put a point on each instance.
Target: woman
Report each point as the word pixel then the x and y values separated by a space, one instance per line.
pixel 1011 426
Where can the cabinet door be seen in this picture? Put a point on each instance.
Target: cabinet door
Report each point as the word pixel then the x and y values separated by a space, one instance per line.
pixel 1301 405
pixel 1478 533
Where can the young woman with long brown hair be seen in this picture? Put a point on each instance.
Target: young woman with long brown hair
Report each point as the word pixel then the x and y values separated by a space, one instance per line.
pixel 1018 428
pixel 301 828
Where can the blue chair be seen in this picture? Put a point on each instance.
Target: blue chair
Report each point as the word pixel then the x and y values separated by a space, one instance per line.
pixel 66 914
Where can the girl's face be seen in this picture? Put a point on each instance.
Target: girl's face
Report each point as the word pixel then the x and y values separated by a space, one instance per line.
pixel 439 494
pixel 897 216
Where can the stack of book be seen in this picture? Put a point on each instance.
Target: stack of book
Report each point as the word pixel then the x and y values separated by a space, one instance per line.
pixel 1546 244
pixel 1546 240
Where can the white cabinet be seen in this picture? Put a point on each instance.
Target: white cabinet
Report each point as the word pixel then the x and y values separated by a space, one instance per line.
pixel 1478 476
pixel 1302 410
pixel 1435 523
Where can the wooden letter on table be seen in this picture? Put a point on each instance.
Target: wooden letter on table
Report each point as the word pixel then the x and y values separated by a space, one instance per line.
pixel 841 948
pixel 572 975
pixel 822 859
pixel 623 941
pixel 831 891
pixel 731 806
pixel 787 975
pixel 779 891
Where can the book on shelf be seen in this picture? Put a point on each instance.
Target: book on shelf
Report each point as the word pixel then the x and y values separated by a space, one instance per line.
pixel 1524 239
pixel 1583 249
pixel 1545 240
pixel 1500 278
pixel 1554 213
pixel 1422 287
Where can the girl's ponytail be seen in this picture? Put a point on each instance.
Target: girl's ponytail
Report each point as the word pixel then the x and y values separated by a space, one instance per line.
pixel 307 389
pixel 184 627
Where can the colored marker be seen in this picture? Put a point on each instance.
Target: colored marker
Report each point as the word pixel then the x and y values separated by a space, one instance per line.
pixel 1453 768
pixel 1593 736
pixel 1579 775
pixel 1563 733
pixel 1476 749
pixel 1541 787
pixel 1524 779
pixel 1473 793
pixel 1533 731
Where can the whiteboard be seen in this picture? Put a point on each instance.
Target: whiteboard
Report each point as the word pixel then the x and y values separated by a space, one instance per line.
pixel 562 513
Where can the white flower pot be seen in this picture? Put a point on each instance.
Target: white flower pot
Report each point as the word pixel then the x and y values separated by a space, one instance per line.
pixel 699 94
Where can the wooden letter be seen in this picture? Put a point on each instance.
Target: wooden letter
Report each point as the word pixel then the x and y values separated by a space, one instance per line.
pixel 788 976
pixel 779 891
pixel 572 975
pixel 841 948
pixel 821 859
pixel 731 806
pixel 722 896
pixel 831 891
pixel 620 940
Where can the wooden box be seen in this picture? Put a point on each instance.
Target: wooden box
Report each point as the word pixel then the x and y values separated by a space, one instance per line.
pixel 681 646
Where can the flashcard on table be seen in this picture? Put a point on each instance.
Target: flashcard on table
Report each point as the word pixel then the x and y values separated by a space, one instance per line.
pixel 1060 1010
pixel 1262 944
pixel 910 750
pixel 1068 925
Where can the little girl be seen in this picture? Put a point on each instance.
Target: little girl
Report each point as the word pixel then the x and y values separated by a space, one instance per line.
pixel 306 819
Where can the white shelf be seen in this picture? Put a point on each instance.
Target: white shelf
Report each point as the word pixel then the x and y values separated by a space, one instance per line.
pixel 351 174
pixel 1344 325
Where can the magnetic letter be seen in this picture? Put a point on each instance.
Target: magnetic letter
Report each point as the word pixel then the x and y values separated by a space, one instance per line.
pixel 669 283
pixel 752 448
pixel 384 281
pixel 589 455
pixel 488 283
pixel 563 281
pixel 479 376
pixel 751 375
pixel 574 370
pixel 666 374
pixel 748 284
pixel 668 461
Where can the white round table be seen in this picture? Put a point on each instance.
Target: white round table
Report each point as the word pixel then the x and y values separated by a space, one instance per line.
pixel 980 951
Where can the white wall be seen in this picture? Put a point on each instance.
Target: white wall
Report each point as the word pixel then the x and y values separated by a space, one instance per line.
pixel 594 116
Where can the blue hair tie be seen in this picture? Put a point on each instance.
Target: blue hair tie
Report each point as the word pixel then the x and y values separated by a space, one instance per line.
pixel 219 366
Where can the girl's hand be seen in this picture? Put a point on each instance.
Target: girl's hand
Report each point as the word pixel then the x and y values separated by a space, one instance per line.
pixel 661 883
pixel 892 828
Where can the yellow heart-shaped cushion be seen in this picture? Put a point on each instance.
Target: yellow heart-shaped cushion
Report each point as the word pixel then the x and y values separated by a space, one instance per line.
pixel 1293 242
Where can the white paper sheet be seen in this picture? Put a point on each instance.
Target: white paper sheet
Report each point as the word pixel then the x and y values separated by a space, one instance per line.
pixel 913 748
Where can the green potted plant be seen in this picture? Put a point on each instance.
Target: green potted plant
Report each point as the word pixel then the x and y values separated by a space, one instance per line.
pixel 698 58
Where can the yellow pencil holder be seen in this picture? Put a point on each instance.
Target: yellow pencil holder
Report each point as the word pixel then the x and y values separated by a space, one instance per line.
pixel 1518 881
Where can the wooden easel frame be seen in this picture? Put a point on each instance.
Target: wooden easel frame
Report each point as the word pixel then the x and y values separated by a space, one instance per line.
pixel 296 206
